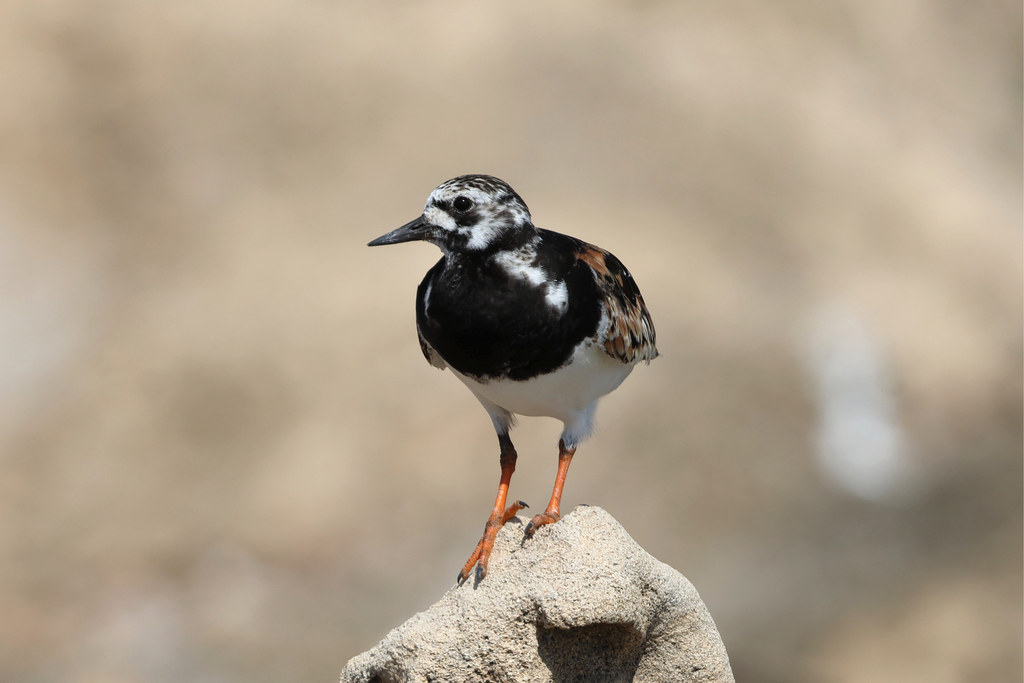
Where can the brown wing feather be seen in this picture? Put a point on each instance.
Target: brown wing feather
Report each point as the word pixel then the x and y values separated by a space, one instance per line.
pixel 630 334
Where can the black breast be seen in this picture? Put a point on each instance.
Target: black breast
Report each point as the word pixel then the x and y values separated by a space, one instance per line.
pixel 488 324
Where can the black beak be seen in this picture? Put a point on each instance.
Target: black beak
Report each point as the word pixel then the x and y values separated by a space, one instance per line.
pixel 418 229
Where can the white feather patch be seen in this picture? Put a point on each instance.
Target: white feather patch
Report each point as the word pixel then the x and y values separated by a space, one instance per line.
pixel 426 299
pixel 520 264
pixel 481 234
pixel 557 296
pixel 436 216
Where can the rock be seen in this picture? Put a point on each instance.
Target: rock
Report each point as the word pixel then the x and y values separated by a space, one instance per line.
pixel 580 601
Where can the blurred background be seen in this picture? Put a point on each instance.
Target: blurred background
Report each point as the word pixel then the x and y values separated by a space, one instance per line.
pixel 223 458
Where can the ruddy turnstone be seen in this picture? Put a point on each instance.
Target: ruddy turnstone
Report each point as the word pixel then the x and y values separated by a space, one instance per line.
pixel 532 321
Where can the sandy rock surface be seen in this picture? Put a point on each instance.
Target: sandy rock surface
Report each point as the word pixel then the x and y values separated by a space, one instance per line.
pixel 580 601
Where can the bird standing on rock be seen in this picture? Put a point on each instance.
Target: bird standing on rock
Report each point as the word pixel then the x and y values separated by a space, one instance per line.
pixel 532 321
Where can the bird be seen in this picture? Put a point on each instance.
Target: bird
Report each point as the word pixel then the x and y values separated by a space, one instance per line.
pixel 532 321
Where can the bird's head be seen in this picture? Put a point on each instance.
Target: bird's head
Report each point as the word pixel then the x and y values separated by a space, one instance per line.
pixel 468 213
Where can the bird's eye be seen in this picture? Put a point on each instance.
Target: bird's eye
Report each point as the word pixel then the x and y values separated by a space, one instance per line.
pixel 462 204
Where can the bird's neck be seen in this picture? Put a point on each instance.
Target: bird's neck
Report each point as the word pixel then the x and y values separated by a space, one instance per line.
pixel 512 238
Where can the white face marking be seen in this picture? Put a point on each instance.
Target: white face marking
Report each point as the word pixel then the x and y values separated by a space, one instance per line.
pixel 493 219
pixel 479 235
pixel 521 216
pixel 439 218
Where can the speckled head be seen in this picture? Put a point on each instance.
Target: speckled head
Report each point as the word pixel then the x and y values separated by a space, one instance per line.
pixel 468 213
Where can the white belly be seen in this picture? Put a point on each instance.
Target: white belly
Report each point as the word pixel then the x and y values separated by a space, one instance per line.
pixel 567 394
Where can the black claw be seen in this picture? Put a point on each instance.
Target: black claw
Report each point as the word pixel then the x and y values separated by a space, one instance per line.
pixel 521 503
pixel 480 573
pixel 529 529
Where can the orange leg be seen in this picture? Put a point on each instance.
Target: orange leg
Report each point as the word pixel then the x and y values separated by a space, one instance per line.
pixel 551 514
pixel 499 515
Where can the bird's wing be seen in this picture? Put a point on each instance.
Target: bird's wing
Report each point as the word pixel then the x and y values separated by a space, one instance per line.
pixel 629 334
pixel 422 295
pixel 432 356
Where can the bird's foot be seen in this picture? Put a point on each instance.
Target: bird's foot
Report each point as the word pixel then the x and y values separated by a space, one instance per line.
pixel 546 517
pixel 482 554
